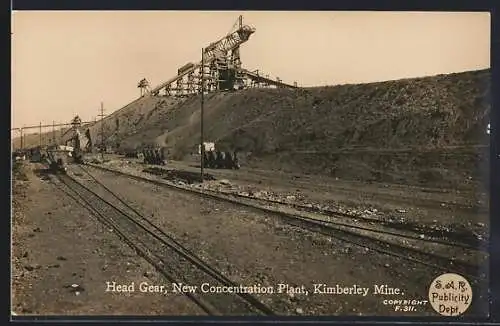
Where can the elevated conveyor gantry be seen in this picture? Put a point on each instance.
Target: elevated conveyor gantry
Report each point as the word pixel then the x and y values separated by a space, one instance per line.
pixel 221 68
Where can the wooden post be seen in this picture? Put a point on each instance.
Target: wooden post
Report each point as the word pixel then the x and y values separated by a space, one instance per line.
pixel 102 131
pixel 54 132
pixel 202 146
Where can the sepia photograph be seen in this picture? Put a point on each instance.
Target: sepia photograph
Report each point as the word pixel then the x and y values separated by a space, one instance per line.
pixel 250 163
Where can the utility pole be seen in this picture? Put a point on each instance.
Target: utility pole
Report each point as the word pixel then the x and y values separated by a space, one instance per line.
pixel 22 147
pixel 40 134
pixel 102 130
pixel 202 146
pixel 54 132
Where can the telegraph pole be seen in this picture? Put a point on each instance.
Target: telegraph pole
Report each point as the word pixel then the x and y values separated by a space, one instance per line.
pixel 22 147
pixel 102 130
pixel 54 132
pixel 40 134
pixel 202 146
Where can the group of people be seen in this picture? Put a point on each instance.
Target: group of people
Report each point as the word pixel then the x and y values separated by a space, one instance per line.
pixel 220 160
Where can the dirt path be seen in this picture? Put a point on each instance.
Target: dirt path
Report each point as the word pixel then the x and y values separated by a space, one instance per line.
pixel 58 243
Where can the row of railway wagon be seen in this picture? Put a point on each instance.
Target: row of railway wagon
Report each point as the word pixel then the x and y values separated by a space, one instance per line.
pixel 213 159
pixel 36 154
pixel 220 160
pixel 153 156
pixel 55 158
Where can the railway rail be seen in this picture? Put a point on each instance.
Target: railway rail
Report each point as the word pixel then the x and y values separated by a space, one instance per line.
pixel 163 251
pixel 459 239
pixel 427 203
pixel 402 245
pixel 453 238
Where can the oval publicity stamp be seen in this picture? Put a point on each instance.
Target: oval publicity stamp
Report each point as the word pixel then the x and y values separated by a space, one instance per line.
pixel 450 294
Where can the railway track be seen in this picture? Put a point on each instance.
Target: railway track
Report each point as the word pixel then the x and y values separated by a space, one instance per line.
pixel 427 203
pixel 458 237
pixel 402 200
pixel 452 238
pixel 164 252
pixel 440 255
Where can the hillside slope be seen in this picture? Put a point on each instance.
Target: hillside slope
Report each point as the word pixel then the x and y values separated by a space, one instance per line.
pixel 304 130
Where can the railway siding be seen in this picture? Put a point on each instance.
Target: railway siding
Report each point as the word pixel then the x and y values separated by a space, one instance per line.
pixel 58 243
pixel 368 230
pixel 261 249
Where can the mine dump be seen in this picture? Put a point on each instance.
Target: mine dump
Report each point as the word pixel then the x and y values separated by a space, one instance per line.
pixel 225 190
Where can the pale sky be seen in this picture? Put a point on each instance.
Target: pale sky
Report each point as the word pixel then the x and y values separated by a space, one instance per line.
pixel 65 63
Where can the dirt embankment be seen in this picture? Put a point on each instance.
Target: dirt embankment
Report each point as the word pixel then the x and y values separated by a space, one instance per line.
pixel 413 131
pixel 427 131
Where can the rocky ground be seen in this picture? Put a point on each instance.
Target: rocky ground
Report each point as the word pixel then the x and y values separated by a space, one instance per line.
pixel 58 244
pixel 413 152
pixel 465 213
pixel 419 131
pixel 63 258
pixel 258 249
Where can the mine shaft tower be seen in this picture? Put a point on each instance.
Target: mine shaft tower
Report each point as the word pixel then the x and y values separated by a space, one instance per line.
pixel 221 67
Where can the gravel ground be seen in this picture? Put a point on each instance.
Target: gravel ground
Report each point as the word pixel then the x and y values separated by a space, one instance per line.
pixel 58 243
pixel 257 249
pixel 250 248
pixel 450 210
pixel 421 203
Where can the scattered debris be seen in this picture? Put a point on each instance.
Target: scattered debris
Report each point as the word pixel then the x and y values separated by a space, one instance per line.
pixel 225 182
pixel 29 268
pixel 75 288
